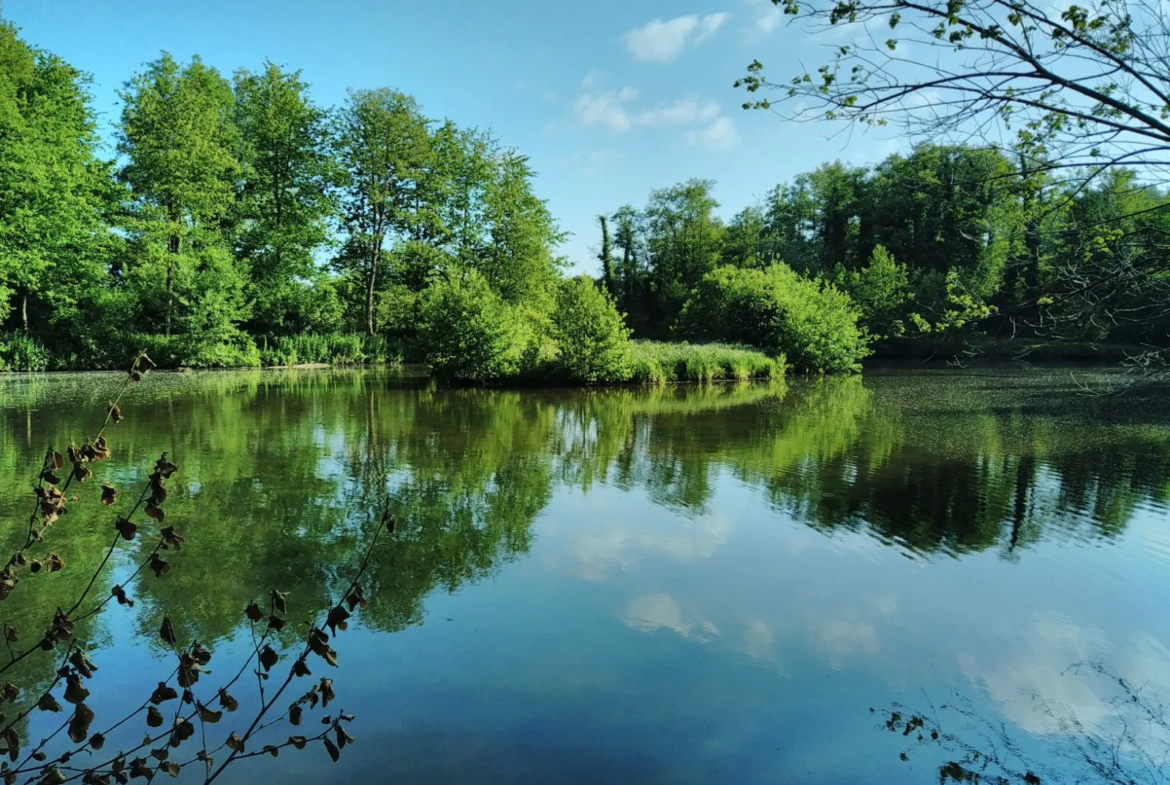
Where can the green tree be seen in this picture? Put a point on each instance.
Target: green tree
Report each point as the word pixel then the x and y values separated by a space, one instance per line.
pixel 593 343
pixel 683 241
pixel 284 206
pixel 179 139
pixel 881 290
pixel 54 193
pixel 383 145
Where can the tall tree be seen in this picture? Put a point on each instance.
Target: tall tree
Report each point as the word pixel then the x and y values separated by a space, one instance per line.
pixel 383 143
pixel 52 189
pixel 519 261
pixel 180 141
pixel 284 205
pixel 684 238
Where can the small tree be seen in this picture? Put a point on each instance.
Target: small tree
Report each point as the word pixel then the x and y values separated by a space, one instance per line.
pixel 880 290
pixel 593 342
pixel 468 333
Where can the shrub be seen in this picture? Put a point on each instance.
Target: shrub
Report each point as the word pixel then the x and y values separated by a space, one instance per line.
pixel 881 290
pixel 468 333
pixel 593 343
pixel 809 321
pixel 235 350
pixel 18 352
pixel 653 362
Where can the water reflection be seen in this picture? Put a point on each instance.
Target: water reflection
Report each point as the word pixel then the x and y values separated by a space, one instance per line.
pixel 280 471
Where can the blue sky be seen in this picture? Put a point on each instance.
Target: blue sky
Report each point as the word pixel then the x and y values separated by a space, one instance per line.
pixel 609 99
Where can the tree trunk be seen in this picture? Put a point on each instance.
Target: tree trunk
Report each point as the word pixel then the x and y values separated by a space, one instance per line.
pixel 174 246
pixel 371 284
pixel 606 260
pixel 24 311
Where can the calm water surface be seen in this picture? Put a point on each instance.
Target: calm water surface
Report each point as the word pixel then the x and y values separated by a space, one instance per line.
pixel 688 585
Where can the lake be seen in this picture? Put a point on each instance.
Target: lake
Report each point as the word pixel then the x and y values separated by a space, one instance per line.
pixel 689 585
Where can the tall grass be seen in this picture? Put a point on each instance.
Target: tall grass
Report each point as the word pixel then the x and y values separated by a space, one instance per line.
pixel 329 348
pixel 652 362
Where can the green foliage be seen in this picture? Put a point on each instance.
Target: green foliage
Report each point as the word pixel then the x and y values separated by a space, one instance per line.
pixel 284 206
pixel 18 352
pixel 881 290
pixel 468 333
pixel 655 362
pixel 811 322
pixel 592 340
pixel 237 350
pixel 328 348
pixel 180 143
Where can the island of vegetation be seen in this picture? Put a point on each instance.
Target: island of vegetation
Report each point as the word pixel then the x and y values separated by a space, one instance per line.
pixel 242 224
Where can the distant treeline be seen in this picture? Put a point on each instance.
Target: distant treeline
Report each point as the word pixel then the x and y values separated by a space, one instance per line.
pixel 944 237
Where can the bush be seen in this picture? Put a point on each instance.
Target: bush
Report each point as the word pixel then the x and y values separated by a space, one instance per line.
pixel 809 321
pixel 652 362
pixel 468 333
pixel 592 341
pixel 881 291
pixel 183 351
pixel 18 352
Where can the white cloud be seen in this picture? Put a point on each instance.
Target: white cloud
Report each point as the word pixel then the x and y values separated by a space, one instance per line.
pixel 720 134
pixel 592 79
pixel 611 109
pixel 663 41
pixel 681 112
pixel 605 108
pixel 767 17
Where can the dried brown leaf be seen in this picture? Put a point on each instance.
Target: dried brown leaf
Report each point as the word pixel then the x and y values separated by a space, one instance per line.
pixel 52 776
pixel 235 743
pixel 75 692
pixel 167 631
pixel 120 595
pixel 337 619
pixel 227 701
pixel 253 612
pixel 171 539
pixel 125 528
pixel 268 657
pixel 331 748
pixel 208 715
pixel 326 690
pixel 48 703
pixel 160 566
pixel 81 661
pixel 182 731
pixel 138 768
pixel 154 717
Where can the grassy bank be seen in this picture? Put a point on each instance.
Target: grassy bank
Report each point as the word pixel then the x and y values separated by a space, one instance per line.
pixel 654 362
pixel 21 354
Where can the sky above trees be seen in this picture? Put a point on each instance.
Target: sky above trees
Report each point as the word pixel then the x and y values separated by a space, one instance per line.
pixel 609 99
